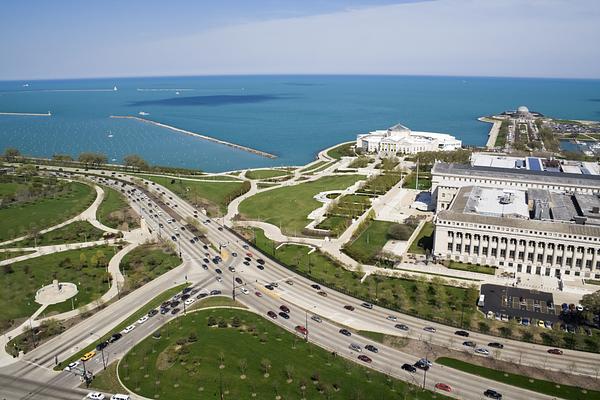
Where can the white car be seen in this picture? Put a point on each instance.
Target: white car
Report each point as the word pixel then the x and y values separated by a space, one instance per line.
pixel 482 351
pixel 219 279
pixel 95 396
pixel 71 365
pixel 189 302
pixel 128 329
pixel 142 320
pixel 245 291
pixel 391 318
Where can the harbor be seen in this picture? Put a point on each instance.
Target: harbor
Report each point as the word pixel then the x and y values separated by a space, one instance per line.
pixel 205 137
pixel 493 135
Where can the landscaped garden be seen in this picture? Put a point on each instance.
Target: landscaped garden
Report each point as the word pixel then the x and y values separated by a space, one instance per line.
pixel 223 353
pixel 213 196
pixel 343 150
pixel 288 207
pixel 46 203
pixel 380 184
pixel 75 232
pixel 146 262
pixel 20 281
pixel 423 243
pixel 115 212
pixel 267 173
pixel 482 269
pixel 410 182
pixel 370 242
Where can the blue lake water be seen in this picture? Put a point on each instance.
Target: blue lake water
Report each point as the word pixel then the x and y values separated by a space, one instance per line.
pixel 291 116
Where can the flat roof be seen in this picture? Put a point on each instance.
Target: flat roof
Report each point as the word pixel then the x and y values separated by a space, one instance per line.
pixel 516 174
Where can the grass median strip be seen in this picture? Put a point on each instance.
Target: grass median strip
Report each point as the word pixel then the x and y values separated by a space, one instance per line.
pixel 525 382
pixel 132 318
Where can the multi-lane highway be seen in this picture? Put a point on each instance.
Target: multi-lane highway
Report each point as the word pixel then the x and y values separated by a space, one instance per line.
pixel 32 377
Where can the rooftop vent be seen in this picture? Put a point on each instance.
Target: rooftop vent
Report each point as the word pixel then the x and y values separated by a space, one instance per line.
pixel 506 198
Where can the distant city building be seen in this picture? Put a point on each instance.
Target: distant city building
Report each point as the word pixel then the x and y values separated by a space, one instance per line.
pixel 400 140
pixel 531 230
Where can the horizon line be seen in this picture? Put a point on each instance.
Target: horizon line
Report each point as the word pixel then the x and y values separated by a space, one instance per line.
pixel 298 75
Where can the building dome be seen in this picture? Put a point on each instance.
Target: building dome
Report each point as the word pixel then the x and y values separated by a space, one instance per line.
pixel 522 110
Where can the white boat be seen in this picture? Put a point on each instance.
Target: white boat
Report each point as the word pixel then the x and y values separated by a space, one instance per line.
pixel 26 85
pixel 143 113
pixel 115 89
pixel 176 92
pixel 110 134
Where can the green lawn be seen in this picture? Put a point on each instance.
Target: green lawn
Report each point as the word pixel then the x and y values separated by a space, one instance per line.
pixel 146 262
pixel 214 196
pixel 430 300
pixel 10 188
pixel 16 220
pixel 536 385
pixel 343 150
pixel 482 269
pixel 360 162
pixel 266 173
pixel 21 280
pixel 154 303
pixel 336 224
pixel 289 206
pixel 424 240
pixel 314 165
pixel 369 243
pixel 380 184
pixel 75 232
pixel 424 181
pixel 115 212
pixel 5 255
pixel 320 168
pixel 247 355
pixel 107 380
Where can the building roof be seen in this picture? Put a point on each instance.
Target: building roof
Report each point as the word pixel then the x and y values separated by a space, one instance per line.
pixel 563 213
pixel 548 177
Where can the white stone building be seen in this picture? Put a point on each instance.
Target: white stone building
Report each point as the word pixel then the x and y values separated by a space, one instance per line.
pixel 400 140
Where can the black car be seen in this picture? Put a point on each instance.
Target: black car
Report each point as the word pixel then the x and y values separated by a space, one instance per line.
pixel 422 365
pixel 186 290
pixel 247 259
pixel 115 337
pixel 260 261
pixel 215 292
pixel 175 311
pixel 462 333
pixel 260 267
pixel 101 345
pixel 234 254
pixel 284 315
pixel 492 394
pixel 469 344
pixel 193 292
pixel 152 312
pixel 409 368
pixel 185 297
pixel 238 280
pixel 315 286
pixel 201 295
pixel 269 287
pixel 218 271
pixel 164 310
pixel 174 303
pixel 246 263
pixel 372 348
pixel 205 267
pixel 402 327
pixel 345 332
pixel 496 345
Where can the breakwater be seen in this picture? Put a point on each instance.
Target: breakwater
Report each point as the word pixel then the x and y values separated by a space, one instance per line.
pixel 27 114
pixel 205 137
pixel 494 130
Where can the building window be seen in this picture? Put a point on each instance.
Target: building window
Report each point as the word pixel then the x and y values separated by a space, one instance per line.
pixel 559 260
pixel 540 257
pixel 511 254
pixel 538 270
pixel 503 240
pixel 588 263
pixel 578 262
pixel 449 246
pixel 521 256
pixel 457 248
pixel 484 251
pixel 529 256
pixel 476 249
pixel 569 260
pixel 503 253
pixel 528 269
pixel 494 252
pixel 548 259
pixel 547 272
pixel 467 248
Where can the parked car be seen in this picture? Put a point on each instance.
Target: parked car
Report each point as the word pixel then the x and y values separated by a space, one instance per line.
pixel 142 319
pixel 72 365
pixel 102 345
pixel 128 329
pixel 95 396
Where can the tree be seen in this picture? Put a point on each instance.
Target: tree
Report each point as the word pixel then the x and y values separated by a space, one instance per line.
pixel 26 170
pixel 135 161
pixel 591 302
pixel 265 365
pixel 89 158
pixel 11 154
pixel 62 157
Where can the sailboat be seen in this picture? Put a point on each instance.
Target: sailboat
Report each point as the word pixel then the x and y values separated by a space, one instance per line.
pixel 115 88
pixel 110 134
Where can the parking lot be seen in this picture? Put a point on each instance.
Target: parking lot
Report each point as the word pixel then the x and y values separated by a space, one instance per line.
pixel 519 303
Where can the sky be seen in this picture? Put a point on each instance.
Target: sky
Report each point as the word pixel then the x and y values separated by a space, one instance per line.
pixel 518 38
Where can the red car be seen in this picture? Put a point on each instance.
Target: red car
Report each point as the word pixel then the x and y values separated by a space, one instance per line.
pixel 301 329
pixel 322 293
pixel 272 314
pixel 443 386
pixel 558 352
pixel 364 358
pixel 249 254
pixel 285 309
pixel 259 294
pixel 349 308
